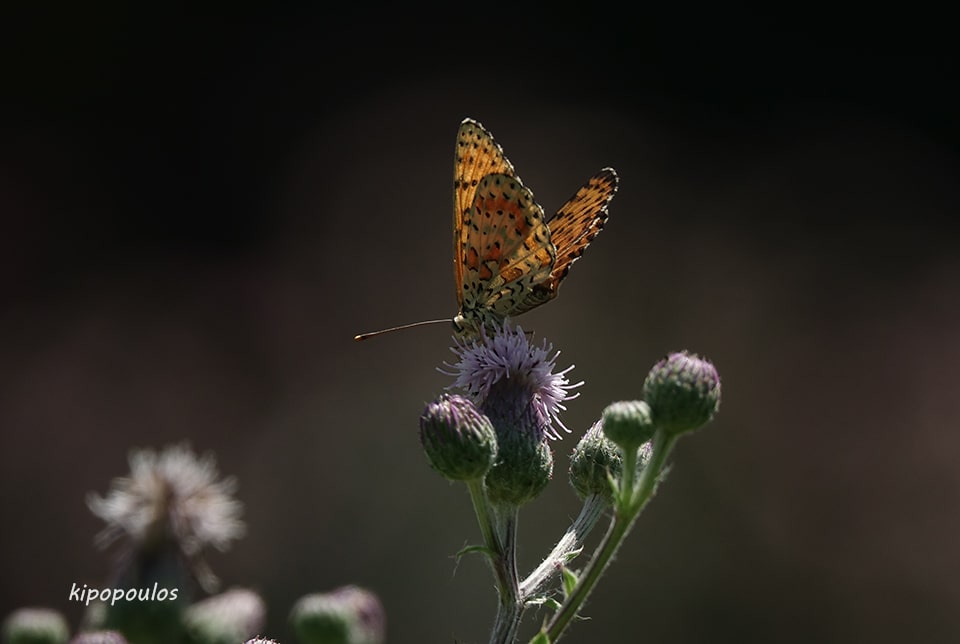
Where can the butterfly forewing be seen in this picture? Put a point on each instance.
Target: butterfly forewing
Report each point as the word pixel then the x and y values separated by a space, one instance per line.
pixel 476 156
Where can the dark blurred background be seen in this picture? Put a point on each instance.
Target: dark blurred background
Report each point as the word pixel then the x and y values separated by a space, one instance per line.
pixel 199 211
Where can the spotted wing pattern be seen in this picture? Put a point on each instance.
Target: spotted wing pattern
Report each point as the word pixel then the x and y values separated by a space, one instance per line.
pixel 477 155
pixel 572 229
pixel 506 251
pixel 507 259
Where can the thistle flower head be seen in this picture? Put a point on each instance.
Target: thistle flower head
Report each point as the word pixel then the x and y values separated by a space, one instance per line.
pixel 170 497
pixel 506 373
pixel 513 383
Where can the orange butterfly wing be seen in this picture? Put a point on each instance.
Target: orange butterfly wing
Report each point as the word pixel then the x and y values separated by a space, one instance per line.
pixel 506 258
pixel 507 252
pixel 572 229
pixel 477 155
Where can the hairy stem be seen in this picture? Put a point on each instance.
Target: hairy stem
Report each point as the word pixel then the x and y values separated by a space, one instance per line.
pixel 631 500
pixel 510 608
pixel 567 547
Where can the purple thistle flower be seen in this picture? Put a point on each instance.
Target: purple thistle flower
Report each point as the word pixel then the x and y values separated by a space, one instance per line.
pixel 507 375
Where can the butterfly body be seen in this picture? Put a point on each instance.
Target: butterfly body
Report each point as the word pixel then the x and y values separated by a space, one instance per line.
pixel 508 258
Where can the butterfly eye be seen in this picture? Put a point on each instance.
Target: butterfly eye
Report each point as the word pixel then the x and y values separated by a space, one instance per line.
pixel 457 327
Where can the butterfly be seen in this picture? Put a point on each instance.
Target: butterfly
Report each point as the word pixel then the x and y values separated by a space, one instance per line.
pixel 507 257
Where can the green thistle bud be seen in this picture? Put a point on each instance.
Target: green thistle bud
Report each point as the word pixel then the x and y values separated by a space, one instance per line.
pixel 348 615
pixel 521 472
pixel 683 391
pixel 231 616
pixel 524 463
pixel 35 626
pixel 459 441
pixel 594 459
pixel 628 423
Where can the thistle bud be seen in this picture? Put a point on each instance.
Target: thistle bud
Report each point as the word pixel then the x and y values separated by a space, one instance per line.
pixel 459 441
pixel 348 615
pixel 521 472
pixel 594 460
pixel 231 616
pixel 35 626
pixel 683 391
pixel 628 423
pixel 99 637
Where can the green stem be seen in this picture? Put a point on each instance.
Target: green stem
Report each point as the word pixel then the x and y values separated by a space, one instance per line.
pixel 510 608
pixel 627 476
pixel 498 525
pixel 481 508
pixel 631 501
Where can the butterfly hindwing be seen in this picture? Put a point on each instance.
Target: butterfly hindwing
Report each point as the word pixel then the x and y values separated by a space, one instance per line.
pixel 581 219
pixel 575 225
pixel 506 249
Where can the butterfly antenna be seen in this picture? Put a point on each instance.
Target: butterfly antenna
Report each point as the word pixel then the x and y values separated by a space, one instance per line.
pixel 365 336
